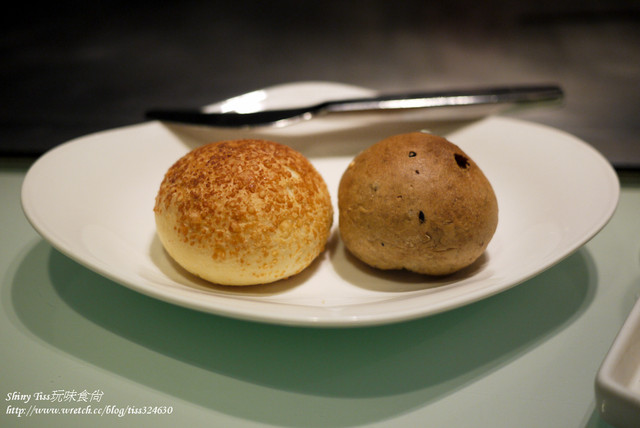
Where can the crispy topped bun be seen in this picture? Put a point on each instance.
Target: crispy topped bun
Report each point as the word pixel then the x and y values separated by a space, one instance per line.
pixel 417 202
pixel 243 212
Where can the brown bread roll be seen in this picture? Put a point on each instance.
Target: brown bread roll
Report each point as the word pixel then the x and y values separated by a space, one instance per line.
pixel 416 201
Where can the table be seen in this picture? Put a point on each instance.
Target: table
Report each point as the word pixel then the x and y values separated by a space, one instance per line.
pixel 526 357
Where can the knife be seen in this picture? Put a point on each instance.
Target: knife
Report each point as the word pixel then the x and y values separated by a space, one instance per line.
pixel 487 97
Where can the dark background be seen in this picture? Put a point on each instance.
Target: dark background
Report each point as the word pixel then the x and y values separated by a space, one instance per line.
pixel 70 68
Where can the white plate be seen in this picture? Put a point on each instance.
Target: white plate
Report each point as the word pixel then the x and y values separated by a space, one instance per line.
pixel 92 198
pixel 618 379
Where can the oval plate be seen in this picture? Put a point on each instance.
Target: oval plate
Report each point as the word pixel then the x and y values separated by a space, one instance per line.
pixel 92 198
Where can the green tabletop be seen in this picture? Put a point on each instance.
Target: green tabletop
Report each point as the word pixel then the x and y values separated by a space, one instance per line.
pixel 80 350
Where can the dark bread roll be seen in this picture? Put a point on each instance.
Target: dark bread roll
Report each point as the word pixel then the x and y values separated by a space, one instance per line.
pixel 416 201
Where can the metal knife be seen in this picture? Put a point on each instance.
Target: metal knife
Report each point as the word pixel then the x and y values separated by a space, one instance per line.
pixel 487 97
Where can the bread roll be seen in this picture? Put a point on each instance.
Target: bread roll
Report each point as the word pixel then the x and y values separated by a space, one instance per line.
pixel 417 202
pixel 243 212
